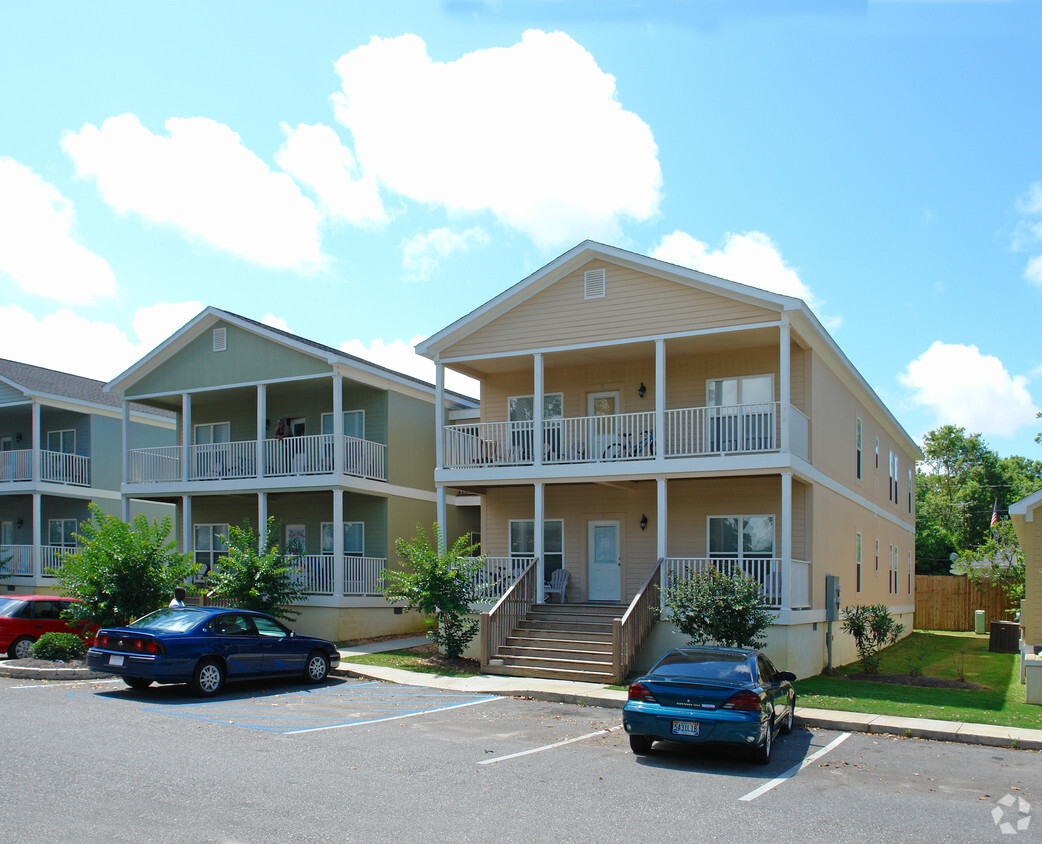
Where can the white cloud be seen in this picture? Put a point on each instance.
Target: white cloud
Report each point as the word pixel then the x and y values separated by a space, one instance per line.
pixel 203 181
pixel 1028 231
pixel 38 249
pixel 314 156
pixel 751 258
pixel 275 322
pixel 963 387
pixel 533 133
pixel 422 253
pixel 399 355
pixel 65 341
pixel 1033 270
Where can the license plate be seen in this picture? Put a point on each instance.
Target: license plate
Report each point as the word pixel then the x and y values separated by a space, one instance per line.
pixel 115 660
pixel 685 728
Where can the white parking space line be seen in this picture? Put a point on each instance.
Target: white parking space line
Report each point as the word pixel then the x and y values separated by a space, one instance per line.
pixel 767 786
pixel 390 717
pixel 549 746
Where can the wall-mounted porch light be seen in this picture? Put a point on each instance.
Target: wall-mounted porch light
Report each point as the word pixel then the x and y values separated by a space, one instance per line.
pixel 644 521
pixel 641 390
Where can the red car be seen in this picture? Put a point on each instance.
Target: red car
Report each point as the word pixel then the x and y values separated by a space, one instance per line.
pixel 25 618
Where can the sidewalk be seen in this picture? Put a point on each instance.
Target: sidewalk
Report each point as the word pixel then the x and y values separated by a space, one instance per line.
pixel 591 694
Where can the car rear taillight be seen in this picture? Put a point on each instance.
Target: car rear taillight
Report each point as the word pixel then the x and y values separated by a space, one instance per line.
pixel 102 641
pixel 154 647
pixel 139 645
pixel 638 691
pixel 744 701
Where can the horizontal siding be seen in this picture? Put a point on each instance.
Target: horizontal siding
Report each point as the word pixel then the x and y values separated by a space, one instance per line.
pixel 636 305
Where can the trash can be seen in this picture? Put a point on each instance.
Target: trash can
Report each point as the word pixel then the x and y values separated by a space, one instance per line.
pixel 1004 637
pixel 978 622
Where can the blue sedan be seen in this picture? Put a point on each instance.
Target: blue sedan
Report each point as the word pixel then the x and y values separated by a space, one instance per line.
pixel 709 695
pixel 205 646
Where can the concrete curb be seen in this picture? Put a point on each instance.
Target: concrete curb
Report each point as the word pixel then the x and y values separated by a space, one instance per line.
pixel 24 672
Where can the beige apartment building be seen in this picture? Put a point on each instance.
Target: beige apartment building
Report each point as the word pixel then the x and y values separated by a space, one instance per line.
pixel 641 421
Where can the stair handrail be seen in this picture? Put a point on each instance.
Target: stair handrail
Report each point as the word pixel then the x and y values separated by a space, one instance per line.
pixel 631 631
pixel 500 621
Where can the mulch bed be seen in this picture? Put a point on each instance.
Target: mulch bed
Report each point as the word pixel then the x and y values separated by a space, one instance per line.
pixel 909 680
pixel 436 660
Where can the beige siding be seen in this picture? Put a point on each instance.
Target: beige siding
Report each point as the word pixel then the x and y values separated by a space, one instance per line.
pixel 1030 536
pixel 636 305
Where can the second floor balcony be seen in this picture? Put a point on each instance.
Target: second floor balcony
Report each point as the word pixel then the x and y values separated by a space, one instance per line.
pixel 275 458
pixel 686 433
pixel 54 467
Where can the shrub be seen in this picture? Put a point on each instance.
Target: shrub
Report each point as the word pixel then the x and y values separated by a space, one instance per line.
pixel 873 628
pixel 60 647
pixel 725 608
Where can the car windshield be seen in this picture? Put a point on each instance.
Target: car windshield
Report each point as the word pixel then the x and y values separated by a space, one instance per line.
pixel 173 620
pixel 9 607
pixel 705 665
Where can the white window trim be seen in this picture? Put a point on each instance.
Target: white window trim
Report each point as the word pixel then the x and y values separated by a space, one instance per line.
pixel 858 428
pixel 62 522
pixel 858 581
pixel 322 532
pixel 739 379
pixel 510 530
pixel 63 432
pixel 532 397
pixel 740 517
pixel 329 416
pixel 211 426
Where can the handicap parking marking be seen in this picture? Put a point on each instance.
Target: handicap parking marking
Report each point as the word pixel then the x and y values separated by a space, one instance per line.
pixel 322 708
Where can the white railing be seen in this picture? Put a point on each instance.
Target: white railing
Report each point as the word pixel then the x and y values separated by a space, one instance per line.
pixel 149 465
pixel 799 589
pixel 310 455
pixel 591 439
pixel 16 465
pixel 58 467
pixel 696 431
pixel 364 575
pixel 52 557
pixel 766 570
pixel 496 575
pixel 488 444
pixel 365 459
pixel 316 573
pixel 220 461
pixel 16 560
pixel 799 433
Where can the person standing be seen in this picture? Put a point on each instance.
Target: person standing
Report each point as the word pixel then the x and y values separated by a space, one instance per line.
pixel 179 597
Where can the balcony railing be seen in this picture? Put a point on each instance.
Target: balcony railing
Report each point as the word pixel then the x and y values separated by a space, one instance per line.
pixel 16 465
pixel 308 455
pixel 56 467
pixel 496 575
pixel 16 560
pixel 689 432
pixel 364 576
pixel 52 557
pixel 767 571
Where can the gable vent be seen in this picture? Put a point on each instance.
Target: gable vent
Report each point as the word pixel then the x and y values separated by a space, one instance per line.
pixel 594 284
pixel 220 339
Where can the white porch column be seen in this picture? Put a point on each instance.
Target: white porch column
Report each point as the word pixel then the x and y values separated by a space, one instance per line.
pixel 262 426
pixel 538 539
pixel 660 401
pixel 124 502
pixel 338 426
pixel 785 376
pixel 36 471
pixel 338 543
pixel 262 520
pixel 37 537
pixel 661 534
pixel 186 433
pixel 537 412
pixel 439 418
pixel 441 514
pixel 187 543
pixel 786 539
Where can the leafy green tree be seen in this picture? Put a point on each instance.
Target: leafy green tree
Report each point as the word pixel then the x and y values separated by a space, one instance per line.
pixel 439 586
pixel 122 571
pixel 722 607
pixel 265 579
pixel 998 560
pixel 873 628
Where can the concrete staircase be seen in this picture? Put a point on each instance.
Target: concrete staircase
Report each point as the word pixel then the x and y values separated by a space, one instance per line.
pixel 560 642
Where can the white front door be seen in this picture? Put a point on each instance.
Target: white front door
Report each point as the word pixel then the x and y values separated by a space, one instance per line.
pixel 605 561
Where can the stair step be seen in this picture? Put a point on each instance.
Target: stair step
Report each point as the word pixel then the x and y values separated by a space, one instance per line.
pixel 558 618
pixel 574 626
pixel 558 643
pixel 555 661
pixel 551 673
pixel 565 635
pixel 614 610
pixel 554 653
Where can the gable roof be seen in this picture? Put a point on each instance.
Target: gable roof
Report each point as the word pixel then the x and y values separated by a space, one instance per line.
pixel 211 315
pixel 42 383
pixel 1026 504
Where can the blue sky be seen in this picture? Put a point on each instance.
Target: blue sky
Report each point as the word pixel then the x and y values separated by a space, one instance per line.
pixel 363 174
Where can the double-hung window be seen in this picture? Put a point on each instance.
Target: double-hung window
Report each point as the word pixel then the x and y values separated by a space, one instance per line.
pixel 857 447
pixel 749 540
pixel 354 424
pixel 522 542
pixel 857 562
pixel 211 543
pixel 521 415
pixel 354 538
pixel 740 413
pixel 60 533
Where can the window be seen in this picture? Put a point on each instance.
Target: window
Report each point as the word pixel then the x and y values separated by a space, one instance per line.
pixel 741 537
pixel 211 543
pixel 877 555
pixel 62 442
pixel 594 286
pixel 522 542
pixel 910 490
pixel 354 423
pixel 740 413
pixel 60 531
pixel 893 570
pixel 354 538
pixel 296 540
pixel 857 561
pixel 877 454
pixel 896 476
pixel 909 572
pixel 521 408
pixel 857 446
pixel 212 433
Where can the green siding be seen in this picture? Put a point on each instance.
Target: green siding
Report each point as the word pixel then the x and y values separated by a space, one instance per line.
pixel 248 358
pixel 106 441
pixel 410 450
pixel 403 515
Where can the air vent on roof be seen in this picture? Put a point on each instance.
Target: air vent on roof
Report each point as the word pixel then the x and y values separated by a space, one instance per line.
pixel 220 339
pixel 594 281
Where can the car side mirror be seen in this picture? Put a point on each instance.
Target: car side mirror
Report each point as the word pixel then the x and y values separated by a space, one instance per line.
pixel 784 675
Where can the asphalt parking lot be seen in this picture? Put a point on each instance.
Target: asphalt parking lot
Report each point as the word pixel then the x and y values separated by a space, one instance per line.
pixel 353 760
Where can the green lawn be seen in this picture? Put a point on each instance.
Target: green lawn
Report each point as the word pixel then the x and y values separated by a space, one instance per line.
pixel 413 661
pixel 942 654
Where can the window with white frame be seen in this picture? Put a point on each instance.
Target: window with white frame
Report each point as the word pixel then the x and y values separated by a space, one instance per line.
pixel 354 538
pixel 522 542
pixel 740 413
pixel 910 488
pixel 857 562
pixel 877 555
pixel 893 569
pixel 522 408
pixel 354 424
pixel 60 533
pixel 211 433
pixel 909 572
pixel 877 454
pixel 211 543
pixel 857 447
pixel 896 476
pixel 62 442
pixel 741 537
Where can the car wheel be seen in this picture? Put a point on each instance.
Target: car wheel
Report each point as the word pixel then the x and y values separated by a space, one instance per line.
pixel 786 726
pixel 21 648
pixel 208 677
pixel 763 752
pixel 137 682
pixel 317 667
pixel 641 744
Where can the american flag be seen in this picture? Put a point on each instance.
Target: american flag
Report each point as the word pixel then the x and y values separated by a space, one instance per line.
pixel 995 513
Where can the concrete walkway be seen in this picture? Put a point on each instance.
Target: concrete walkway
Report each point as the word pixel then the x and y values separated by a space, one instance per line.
pixel 591 694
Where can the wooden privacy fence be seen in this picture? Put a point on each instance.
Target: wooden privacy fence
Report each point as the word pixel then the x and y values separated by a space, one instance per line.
pixel 945 602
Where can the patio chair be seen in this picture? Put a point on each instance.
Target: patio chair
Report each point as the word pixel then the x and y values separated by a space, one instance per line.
pixel 557 584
